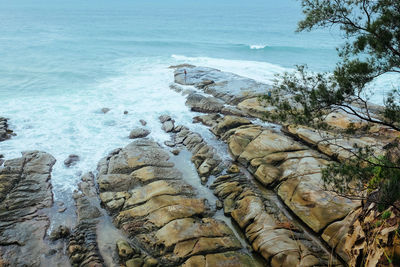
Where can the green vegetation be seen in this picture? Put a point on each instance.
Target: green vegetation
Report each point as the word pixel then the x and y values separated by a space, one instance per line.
pixel 372 49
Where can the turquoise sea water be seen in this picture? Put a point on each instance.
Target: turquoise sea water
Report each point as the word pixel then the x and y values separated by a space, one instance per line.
pixel 62 61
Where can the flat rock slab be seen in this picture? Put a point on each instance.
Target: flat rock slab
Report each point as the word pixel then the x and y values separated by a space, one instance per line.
pixel 227 86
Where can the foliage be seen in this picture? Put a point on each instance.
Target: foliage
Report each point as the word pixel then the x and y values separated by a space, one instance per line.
pixel 372 49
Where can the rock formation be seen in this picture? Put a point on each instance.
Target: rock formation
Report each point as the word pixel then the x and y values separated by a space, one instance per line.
pixel 157 209
pixel 280 241
pixel 5 132
pixel 25 194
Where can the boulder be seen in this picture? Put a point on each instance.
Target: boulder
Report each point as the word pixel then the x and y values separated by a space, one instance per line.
pixel 200 103
pixel 138 133
pixel 229 122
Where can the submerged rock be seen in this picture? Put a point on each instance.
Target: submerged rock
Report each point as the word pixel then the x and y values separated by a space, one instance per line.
pixel 71 160
pixel 105 110
pixel 59 233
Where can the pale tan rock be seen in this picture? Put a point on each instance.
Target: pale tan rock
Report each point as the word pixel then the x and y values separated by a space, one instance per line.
pixel 334 145
pixel 115 182
pixel 150 173
pixel 229 122
pixel 188 228
pixel 267 174
pixel 335 234
pixel 266 143
pixel 205 245
pixel 157 188
pixel 195 261
pixel 185 209
pixel 161 202
pixel 316 207
pixel 254 107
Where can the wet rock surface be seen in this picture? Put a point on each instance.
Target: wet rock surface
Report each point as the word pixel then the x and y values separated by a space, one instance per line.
pixel 5 132
pixel 226 86
pixel 292 170
pixel 280 241
pixel 71 160
pixel 25 194
pixel 82 246
pixel 160 212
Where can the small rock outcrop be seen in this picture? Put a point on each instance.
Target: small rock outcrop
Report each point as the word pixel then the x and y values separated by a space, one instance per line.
pixel 229 87
pixel 168 124
pixel 25 194
pixel 5 132
pixel 71 160
pixel 204 104
pixel 138 133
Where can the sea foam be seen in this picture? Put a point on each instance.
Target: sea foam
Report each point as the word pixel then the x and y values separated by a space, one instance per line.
pixel 257 47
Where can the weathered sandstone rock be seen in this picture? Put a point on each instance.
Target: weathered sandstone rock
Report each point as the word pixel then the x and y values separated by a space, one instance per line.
pixel 266 228
pixel 25 194
pixel 153 205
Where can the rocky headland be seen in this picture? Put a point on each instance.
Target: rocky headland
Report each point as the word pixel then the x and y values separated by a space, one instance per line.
pixel 257 200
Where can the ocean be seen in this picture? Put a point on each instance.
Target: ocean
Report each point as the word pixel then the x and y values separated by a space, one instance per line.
pixel 62 61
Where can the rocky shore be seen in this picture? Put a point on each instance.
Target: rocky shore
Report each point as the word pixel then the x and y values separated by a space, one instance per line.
pixel 289 162
pixel 139 208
